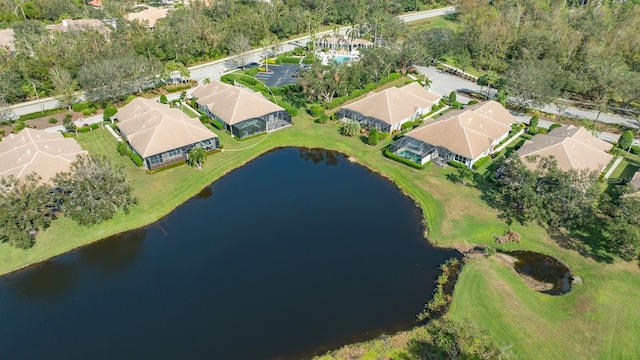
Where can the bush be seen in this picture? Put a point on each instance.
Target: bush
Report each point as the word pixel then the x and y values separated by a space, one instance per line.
pixel 373 137
pixel 383 135
pixel 123 148
pixel 88 111
pixel 402 160
pixel 635 149
pixel 350 128
pixel 533 130
pixel 109 112
pixel 626 140
pixel 323 119
pixel 84 129
pixel 406 126
pixel 472 102
pixel 482 161
pixel 315 110
pixel 79 107
pixel 94 126
pixel 53 120
pixel 526 136
pixel 129 99
pixel 217 124
pixel 457 164
pixel 534 121
pixel 136 159
pixel 291 60
pixel 19 126
pixel 163 99
pixel 554 126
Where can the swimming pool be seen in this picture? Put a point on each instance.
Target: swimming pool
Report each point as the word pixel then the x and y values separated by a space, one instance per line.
pixel 341 59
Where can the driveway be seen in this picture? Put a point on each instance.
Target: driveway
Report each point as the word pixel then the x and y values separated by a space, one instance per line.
pixel 279 75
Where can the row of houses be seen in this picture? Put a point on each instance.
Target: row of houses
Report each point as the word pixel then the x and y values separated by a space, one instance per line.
pixel 469 134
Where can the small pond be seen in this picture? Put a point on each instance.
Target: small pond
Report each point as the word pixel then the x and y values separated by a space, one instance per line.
pixel 298 252
pixel 542 272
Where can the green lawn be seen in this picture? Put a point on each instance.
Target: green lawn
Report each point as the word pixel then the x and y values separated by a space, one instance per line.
pixel 189 112
pixel 446 21
pixel 597 320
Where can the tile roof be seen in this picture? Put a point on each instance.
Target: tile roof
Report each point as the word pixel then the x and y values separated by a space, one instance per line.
pixel 37 151
pixel 235 104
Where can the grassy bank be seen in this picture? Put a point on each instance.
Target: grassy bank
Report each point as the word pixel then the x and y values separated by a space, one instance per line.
pixel 598 319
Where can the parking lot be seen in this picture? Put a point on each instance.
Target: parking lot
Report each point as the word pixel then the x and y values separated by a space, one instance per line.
pixel 279 75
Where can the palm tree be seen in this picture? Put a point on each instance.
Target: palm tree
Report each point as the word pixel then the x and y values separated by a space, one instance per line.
pixel 197 157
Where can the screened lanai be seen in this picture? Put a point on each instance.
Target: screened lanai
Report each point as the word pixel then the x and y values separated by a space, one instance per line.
pixel 265 123
pixel 368 122
pixel 414 150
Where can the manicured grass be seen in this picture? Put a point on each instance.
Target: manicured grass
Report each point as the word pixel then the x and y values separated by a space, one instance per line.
pixel 446 21
pixel 189 112
pixel 596 320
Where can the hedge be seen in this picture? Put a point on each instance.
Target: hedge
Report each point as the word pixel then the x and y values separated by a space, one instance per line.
pixel 457 164
pixel 217 124
pixel 94 126
pixel 635 149
pixel 315 110
pixel 135 158
pixel 554 126
pixel 83 129
pixel 526 136
pixel 478 164
pixel 109 112
pixel 40 114
pixel 402 160
pixel 79 107
pixel 291 60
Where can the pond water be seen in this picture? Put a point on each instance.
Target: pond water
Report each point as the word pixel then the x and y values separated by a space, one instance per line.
pixel 545 273
pixel 298 252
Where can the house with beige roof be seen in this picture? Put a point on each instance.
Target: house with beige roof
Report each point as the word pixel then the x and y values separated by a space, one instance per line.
pixel 460 135
pixel 150 15
pixel 387 110
pixel 243 112
pixel 37 151
pixel 162 135
pixel 572 147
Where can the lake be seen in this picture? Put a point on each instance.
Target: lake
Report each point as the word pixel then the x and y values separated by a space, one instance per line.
pixel 298 252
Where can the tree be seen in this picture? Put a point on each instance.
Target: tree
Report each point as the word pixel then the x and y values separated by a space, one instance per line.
pixel 68 124
pixel 489 78
pixel 626 140
pixel 196 157
pixel 64 86
pixel 26 209
pixel 373 137
pixel 465 175
pixel 452 98
pixel 93 190
pixel 350 128
pixel 6 114
pixel 533 124
pixel 239 48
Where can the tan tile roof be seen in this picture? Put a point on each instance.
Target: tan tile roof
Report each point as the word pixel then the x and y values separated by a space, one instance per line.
pixel 67 25
pixel 150 14
pixel 493 110
pixel 37 151
pixel 391 105
pixel 635 181
pixel 211 88
pixel 416 89
pixel 572 147
pixel 234 104
pixel 136 107
pixel 162 129
pixel 464 132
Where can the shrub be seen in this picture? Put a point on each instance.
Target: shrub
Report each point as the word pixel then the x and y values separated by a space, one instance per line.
pixel 109 112
pixel 482 161
pixel 472 102
pixel 123 148
pixel 554 126
pixel 457 164
pixel 84 129
pixel 626 140
pixel 129 99
pixel 88 111
pixel 79 107
pixel 383 135
pixel 315 110
pixel 163 99
pixel 217 124
pixel 94 126
pixel 136 158
pixel 534 121
pixel 19 126
pixel 323 119
pixel 526 136
pixel 373 137
pixel 204 119
pixel 402 160
pixel 406 126
pixel 635 149
pixel 533 130
pixel 53 120
pixel 350 128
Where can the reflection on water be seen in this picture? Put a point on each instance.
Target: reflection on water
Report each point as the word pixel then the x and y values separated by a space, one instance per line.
pixel 205 193
pixel 112 256
pixel 43 281
pixel 318 155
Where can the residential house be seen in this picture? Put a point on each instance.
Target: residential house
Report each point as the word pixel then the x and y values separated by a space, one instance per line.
pixel 45 153
pixel 460 135
pixel 387 110
pixel 342 43
pixel 162 135
pixel 572 147
pixel 243 112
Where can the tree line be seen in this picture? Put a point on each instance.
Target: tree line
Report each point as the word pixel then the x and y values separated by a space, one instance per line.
pixel 119 60
pixel 544 52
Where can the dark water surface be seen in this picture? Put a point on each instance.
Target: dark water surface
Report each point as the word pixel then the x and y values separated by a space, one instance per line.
pixel 298 252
